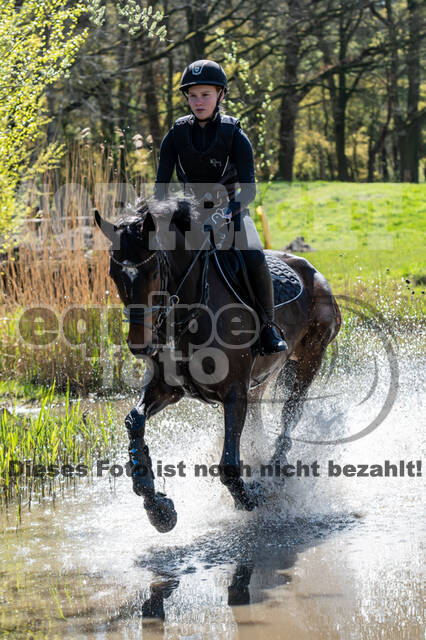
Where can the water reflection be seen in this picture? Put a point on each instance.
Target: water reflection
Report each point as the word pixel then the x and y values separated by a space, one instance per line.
pixel 259 555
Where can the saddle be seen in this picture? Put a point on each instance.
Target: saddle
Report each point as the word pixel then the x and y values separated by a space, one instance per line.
pixel 286 282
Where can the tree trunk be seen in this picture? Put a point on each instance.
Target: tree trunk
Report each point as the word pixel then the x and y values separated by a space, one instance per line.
pixel 151 101
pixel 170 70
pixel 399 128
pixel 106 109
pixel 384 164
pixel 338 99
pixel 377 146
pixel 371 158
pixel 288 113
pixel 124 91
pixel 290 99
pixel 169 99
pixel 327 137
pixel 340 102
pixel 412 142
pixel 340 131
pixel 196 16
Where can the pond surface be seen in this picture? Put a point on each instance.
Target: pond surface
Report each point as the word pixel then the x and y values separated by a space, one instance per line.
pixel 324 557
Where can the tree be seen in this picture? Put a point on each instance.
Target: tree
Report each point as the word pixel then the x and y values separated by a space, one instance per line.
pixel 38 44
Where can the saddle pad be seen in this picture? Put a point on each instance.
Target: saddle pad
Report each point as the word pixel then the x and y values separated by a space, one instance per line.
pixel 287 284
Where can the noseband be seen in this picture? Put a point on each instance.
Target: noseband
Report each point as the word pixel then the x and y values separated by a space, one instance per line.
pixel 136 315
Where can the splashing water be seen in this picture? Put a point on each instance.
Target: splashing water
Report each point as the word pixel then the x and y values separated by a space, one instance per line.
pixel 338 556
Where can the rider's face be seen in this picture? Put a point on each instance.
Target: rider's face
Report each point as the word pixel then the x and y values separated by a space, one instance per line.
pixel 202 100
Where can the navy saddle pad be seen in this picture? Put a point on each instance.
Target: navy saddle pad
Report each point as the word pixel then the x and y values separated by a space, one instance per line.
pixel 287 284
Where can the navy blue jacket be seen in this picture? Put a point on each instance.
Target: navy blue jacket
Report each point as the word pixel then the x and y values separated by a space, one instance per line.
pixel 202 137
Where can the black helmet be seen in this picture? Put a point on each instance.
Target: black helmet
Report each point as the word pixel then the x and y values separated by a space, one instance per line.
pixel 203 72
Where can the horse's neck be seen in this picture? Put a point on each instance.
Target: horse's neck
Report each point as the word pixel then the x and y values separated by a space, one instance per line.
pixel 180 260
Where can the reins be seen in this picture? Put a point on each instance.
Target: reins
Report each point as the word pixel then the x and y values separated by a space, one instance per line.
pixel 137 315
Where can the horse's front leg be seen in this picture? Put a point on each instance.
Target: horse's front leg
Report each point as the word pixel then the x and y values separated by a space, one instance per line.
pixel 155 396
pixel 235 407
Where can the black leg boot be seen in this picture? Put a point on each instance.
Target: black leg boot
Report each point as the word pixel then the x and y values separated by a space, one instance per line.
pixel 270 340
pixel 139 460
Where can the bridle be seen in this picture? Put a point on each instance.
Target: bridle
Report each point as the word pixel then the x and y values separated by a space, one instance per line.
pixel 136 315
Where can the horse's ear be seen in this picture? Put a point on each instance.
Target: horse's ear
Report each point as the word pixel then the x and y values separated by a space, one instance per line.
pixel 108 229
pixel 149 223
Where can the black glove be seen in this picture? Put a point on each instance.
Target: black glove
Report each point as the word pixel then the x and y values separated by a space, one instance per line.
pixel 218 219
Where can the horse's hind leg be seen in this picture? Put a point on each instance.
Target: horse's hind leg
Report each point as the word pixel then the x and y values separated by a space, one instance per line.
pixel 297 376
pixel 155 396
pixel 291 410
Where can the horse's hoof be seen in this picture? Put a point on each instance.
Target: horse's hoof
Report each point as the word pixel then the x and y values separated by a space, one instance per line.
pixel 161 512
pixel 250 498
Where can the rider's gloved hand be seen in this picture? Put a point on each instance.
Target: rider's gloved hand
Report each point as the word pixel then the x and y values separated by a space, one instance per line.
pixel 218 218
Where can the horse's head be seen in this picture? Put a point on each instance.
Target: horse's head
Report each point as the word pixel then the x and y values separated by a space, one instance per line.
pixel 135 269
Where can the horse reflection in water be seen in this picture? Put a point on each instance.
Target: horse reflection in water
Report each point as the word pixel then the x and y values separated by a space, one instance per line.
pixel 258 565
pixel 216 364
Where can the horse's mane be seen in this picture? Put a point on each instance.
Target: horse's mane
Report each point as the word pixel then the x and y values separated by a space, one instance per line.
pixel 179 211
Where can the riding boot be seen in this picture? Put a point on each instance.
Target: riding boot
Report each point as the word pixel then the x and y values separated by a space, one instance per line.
pixel 261 282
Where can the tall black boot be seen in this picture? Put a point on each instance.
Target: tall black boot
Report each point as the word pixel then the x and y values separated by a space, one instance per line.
pixel 261 282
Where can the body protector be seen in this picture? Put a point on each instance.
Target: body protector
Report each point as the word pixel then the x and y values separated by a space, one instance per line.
pixel 202 172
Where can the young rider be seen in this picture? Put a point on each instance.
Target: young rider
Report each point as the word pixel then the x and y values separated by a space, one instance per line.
pixel 208 148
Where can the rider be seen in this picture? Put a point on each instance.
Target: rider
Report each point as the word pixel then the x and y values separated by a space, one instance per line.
pixel 209 147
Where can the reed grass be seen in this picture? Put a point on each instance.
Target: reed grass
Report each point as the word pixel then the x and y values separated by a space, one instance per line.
pixel 51 437
pixel 63 263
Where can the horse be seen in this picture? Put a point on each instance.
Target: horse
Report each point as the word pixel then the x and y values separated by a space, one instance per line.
pixel 212 354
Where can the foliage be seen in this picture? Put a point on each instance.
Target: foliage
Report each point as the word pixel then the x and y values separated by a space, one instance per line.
pixel 249 84
pixel 38 44
pixel 54 436
pixel 290 66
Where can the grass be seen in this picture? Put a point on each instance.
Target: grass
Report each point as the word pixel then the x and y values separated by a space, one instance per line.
pixel 14 391
pixel 36 442
pixel 50 345
pixel 363 234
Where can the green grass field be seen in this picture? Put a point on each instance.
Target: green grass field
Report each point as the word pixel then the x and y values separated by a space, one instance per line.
pixel 365 235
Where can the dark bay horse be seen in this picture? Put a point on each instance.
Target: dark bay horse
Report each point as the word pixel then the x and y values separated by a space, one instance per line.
pixel 201 342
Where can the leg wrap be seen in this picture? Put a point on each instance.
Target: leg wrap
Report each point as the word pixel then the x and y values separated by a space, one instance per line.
pixel 139 458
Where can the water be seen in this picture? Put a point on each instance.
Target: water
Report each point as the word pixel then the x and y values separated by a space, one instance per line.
pixel 326 557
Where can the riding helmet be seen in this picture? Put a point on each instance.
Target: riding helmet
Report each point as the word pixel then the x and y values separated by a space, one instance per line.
pixel 203 72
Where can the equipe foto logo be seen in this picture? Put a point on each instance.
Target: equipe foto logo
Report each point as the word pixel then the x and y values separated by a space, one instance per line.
pixel 356 387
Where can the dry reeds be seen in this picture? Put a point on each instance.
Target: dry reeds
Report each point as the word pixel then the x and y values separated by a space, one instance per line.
pixel 60 267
